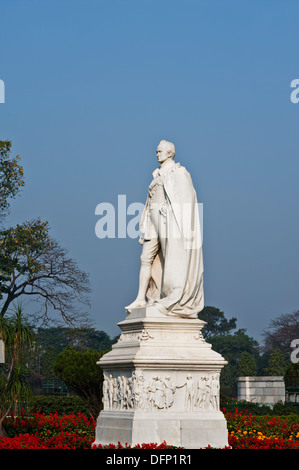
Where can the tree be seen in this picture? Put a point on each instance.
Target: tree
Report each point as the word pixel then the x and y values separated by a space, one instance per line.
pixel 247 365
pixel 280 333
pixel 19 338
pixel 52 341
pixel 80 372
pixel 32 263
pixel 291 375
pixel 216 323
pixel 47 360
pixel 81 339
pixel 230 344
pixel 263 364
pixel 11 176
pixel 277 365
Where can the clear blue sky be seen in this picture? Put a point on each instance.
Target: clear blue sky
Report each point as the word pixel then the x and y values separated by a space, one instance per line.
pixel 92 86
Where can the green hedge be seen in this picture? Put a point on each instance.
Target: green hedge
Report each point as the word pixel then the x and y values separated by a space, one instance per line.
pixel 279 409
pixel 62 404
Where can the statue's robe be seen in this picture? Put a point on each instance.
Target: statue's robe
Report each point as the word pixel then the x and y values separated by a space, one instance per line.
pixel 176 284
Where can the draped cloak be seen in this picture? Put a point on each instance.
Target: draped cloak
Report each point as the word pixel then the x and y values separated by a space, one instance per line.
pixel 176 284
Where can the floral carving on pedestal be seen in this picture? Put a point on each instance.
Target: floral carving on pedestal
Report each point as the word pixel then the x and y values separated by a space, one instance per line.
pixel 145 335
pixel 135 336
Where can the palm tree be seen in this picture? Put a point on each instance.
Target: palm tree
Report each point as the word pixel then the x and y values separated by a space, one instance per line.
pixel 19 339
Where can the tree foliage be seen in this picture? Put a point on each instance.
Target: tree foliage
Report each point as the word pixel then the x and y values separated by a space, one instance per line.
pixel 80 372
pixel 80 339
pixel 35 265
pixel 280 333
pixel 247 365
pixel 32 263
pixel 277 363
pixel 11 175
pixel 224 337
pixel 52 341
pixel 291 375
pixel 19 338
pixel 216 323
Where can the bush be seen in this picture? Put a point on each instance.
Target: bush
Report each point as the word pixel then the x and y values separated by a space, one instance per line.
pixel 248 407
pixel 82 375
pixel 279 409
pixel 286 409
pixel 291 376
pixel 61 404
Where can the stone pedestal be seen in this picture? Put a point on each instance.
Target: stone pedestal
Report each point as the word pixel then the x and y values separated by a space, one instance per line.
pixel 161 383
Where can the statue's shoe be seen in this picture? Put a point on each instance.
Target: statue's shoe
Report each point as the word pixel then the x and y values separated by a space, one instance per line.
pixel 136 304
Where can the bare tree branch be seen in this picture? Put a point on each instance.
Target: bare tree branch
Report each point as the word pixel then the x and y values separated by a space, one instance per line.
pixel 59 284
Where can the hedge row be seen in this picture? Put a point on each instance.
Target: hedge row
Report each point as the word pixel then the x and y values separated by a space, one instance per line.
pixel 279 409
pixel 62 404
pixel 73 404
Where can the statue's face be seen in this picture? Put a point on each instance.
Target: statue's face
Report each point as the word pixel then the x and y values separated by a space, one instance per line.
pixel 162 153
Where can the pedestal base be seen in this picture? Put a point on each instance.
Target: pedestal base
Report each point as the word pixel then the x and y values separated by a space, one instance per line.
pixel 161 383
pixel 181 430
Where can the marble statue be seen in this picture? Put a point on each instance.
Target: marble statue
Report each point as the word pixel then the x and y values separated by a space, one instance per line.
pixel 161 378
pixel 171 273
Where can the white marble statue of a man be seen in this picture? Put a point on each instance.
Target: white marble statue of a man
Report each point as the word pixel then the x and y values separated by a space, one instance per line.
pixel 171 274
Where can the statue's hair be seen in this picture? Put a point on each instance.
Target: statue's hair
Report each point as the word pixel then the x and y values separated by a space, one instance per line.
pixel 170 146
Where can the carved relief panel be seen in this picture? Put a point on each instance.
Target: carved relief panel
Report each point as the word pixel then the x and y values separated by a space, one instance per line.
pixel 155 393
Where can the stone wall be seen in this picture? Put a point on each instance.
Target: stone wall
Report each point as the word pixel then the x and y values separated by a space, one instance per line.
pixel 264 390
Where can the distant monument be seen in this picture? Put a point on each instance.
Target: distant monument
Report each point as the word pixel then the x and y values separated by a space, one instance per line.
pixel 161 379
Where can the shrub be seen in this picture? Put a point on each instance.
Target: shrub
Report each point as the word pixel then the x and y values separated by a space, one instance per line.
pixel 291 375
pixel 61 404
pixel 80 372
pixel 258 409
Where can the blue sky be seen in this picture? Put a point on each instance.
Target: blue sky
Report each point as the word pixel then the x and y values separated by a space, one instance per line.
pixel 92 86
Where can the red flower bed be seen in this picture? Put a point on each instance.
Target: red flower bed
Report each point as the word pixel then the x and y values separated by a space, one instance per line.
pixel 73 431
pixel 262 443
pixel 77 431
pixel 247 431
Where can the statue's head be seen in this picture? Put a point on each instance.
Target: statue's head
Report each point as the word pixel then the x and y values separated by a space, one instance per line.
pixel 165 150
